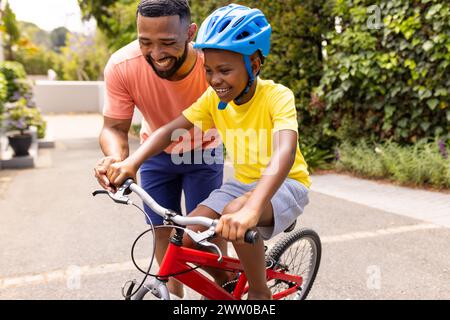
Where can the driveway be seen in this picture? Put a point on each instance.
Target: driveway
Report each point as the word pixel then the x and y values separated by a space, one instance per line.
pixel 58 242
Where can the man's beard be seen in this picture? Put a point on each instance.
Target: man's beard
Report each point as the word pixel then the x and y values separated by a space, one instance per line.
pixel 178 63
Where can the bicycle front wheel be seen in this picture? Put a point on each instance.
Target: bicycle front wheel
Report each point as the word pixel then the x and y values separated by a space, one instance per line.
pixel 298 253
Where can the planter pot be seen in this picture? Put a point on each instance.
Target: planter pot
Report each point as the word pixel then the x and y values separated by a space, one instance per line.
pixel 20 144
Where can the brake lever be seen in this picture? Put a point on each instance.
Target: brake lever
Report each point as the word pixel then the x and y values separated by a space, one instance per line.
pixel 202 239
pixel 206 243
pixel 117 197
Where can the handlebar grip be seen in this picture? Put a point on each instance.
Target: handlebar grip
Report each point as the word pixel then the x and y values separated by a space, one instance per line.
pixel 251 236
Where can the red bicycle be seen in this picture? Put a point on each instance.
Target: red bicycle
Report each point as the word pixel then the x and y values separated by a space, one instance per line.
pixel 292 263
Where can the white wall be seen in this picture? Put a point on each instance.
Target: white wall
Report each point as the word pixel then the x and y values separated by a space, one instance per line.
pixel 69 96
pixel 62 97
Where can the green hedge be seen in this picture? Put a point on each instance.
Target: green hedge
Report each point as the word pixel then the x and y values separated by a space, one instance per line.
pixel 387 75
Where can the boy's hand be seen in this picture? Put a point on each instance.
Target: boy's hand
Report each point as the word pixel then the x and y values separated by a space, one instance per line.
pixel 119 171
pixel 101 169
pixel 233 226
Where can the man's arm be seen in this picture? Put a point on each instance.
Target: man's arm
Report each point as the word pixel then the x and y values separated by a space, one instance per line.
pixel 114 137
pixel 114 144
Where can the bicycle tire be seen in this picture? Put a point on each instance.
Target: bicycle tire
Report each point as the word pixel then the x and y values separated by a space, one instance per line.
pixel 277 255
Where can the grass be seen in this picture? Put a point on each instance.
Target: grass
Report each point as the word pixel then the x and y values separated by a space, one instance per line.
pixel 422 164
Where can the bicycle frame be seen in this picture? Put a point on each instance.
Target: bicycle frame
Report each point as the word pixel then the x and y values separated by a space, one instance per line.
pixel 177 259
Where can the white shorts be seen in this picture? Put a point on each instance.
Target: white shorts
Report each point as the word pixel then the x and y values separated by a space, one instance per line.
pixel 288 202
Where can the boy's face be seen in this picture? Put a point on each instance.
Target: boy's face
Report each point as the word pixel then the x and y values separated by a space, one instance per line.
pixel 225 73
pixel 164 42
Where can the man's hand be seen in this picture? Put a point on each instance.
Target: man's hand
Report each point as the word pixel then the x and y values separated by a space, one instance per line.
pixel 102 168
pixel 233 226
pixel 118 172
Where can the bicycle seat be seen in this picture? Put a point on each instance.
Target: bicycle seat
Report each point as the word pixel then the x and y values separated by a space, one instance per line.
pixel 291 227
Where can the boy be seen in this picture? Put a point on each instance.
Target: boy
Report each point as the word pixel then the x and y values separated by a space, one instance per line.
pixel 257 122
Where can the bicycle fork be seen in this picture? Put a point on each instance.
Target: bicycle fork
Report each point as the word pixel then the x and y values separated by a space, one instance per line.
pixel 156 287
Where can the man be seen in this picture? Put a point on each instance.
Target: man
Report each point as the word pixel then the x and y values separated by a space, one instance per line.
pixel 161 74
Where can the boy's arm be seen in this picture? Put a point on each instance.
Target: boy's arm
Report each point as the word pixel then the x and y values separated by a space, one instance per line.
pixel 155 143
pixel 283 158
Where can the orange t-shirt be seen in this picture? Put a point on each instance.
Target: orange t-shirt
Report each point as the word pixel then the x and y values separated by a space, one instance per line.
pixel 131 81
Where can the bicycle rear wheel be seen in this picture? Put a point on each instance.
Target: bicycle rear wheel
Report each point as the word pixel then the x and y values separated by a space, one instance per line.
pixel 298 253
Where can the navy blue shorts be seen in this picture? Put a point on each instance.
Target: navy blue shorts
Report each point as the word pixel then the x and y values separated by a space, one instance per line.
pixel 165 179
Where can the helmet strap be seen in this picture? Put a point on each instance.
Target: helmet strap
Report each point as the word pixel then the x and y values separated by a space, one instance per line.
pixel 251 78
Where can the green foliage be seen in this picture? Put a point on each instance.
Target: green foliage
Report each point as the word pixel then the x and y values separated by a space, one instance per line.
pixel 358 68
pixel 360 158
pixel 388 70
pixel 10 24
pixel 83 58
pixel 116 20
pixel 12 32
pixel 98 9
pixel 3 88
pixel 19 116
pixel 34 34
pixel 15 76
pixel 3 93
pixel 295 60
pixel 316 158
pixel 19 112
pixel 424 163
pixel 37 59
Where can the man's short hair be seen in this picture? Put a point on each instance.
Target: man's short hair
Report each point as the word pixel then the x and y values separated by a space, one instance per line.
pixel 164 8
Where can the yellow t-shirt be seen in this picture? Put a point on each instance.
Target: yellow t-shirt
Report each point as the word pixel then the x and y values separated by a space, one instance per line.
pixel 247 130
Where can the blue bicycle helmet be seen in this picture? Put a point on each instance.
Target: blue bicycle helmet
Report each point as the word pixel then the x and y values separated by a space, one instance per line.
pixel 239 29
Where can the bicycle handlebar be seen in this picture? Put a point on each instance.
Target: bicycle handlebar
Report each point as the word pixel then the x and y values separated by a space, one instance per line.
pixel 251 236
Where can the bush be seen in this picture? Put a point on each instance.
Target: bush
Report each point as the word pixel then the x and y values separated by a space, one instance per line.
pixel 83 58
pixel 19 111
pixel 3 93
pixel 16 78
pixel 316 158
pixel 3 89
pixel 37 60
pixel 20 117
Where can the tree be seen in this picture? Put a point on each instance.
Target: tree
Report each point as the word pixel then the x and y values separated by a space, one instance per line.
pixel 36 35
pixel 12 33
pixel 116 19
pixel 58 38
pixel 99 9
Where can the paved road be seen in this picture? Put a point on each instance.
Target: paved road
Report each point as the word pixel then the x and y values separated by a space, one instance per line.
pixel 58 242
